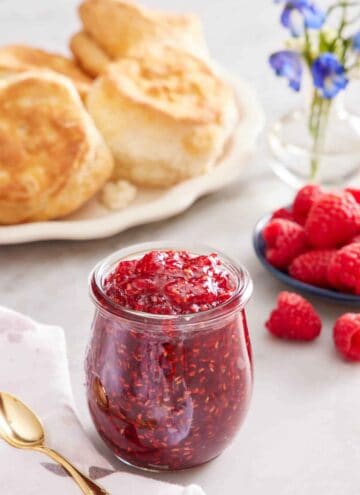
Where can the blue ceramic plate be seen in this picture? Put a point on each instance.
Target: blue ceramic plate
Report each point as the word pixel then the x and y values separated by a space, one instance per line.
pixel 259 246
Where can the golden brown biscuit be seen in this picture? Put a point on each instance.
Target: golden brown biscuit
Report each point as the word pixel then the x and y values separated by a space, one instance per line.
pixel 89 54
pixel 19 58
pixel 122 27
pixel 165 116
pixel 52 158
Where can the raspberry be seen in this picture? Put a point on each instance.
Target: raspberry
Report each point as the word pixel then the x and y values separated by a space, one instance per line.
pixel 284 241
pixel 333 221
pixel 346 336
pixel 283 213
pixel 304 200
pixel 355 239
pixel 344 269
pixel 294 318
pixel 312 267
pixel 354 192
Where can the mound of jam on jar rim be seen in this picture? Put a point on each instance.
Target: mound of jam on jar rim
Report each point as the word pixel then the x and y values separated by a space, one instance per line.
pixel 170 283
pixel 169 372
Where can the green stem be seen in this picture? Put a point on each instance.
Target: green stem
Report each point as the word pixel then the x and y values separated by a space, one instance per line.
pixel 342 26
pixel 341 5
pixel 307 51
pixel 318 121
pixel 341 29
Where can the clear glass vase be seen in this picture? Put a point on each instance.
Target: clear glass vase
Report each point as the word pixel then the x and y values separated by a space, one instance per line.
pixel 319 143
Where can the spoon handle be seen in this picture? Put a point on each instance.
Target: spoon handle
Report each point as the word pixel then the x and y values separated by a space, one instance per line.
pixel 87 486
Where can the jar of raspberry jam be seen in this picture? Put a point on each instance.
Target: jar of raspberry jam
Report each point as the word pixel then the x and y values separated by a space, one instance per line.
pixel 169 368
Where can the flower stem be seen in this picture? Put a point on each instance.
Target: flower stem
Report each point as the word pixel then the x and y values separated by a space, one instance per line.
pixel 319 115
pixel 307 51
pixel 340 5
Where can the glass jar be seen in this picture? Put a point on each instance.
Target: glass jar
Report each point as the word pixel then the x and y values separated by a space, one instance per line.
pixel 168 392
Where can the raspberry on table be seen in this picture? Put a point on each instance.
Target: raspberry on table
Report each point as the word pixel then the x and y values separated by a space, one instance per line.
pixel 333 220
pixel 346 336
pixel 312 267
pixel 284 241
pixel 344 269
pixel 294 318
pixel 304 200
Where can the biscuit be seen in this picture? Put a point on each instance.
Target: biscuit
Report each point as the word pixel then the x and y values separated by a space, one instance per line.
pixel 121 28
pixel 166 116
pixel 89 54
pixel 52 158
pixel 19 58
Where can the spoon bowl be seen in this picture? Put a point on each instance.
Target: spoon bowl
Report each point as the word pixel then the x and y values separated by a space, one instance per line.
pixel 19 425
pixel 22 429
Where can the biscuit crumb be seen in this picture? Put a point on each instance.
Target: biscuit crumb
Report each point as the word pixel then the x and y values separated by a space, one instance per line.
pixel 117 195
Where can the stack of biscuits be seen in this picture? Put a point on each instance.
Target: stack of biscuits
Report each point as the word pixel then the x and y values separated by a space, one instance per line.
pixel 139 105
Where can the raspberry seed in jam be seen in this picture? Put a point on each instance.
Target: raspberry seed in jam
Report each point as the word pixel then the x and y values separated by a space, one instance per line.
pixel 169 387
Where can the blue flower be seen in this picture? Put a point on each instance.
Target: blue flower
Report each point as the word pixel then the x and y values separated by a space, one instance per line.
pixel 298 14
pixel 329 75
pixel 356 42
pixel 288 64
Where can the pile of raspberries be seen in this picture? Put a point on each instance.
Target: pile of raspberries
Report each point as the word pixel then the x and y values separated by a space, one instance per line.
pixel 317 241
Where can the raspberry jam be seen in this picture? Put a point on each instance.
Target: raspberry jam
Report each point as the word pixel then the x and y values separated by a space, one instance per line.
pixel 170 283
pixel 169 372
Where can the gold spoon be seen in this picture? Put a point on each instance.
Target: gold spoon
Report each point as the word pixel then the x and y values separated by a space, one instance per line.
pixel 21 428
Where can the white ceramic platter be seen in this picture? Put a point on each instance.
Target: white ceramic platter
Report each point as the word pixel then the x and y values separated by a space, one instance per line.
pixel 93 221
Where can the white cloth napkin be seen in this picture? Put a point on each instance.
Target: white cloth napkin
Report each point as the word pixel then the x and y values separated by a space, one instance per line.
pixel 33 366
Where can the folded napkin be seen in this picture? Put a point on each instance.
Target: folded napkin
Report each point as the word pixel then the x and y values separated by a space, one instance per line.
pixel 33 366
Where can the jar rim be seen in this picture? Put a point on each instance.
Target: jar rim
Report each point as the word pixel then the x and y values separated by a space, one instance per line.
pixel 239 298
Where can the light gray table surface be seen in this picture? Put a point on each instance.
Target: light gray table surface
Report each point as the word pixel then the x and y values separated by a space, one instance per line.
pixel 299 436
